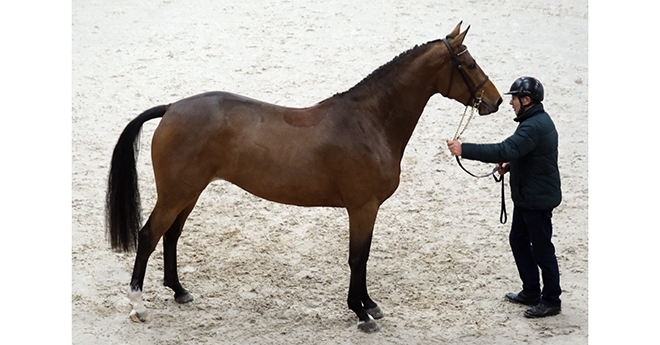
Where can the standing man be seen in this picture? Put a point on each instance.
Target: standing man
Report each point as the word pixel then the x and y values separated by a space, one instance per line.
pixel 530 154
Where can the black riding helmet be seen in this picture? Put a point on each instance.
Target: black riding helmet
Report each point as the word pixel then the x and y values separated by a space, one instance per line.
pixel 527 86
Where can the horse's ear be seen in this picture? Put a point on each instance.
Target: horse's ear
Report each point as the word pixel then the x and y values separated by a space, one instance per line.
pixel 461 37
pixel 456 31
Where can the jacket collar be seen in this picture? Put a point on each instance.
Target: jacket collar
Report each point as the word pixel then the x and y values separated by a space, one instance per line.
pixel 529 113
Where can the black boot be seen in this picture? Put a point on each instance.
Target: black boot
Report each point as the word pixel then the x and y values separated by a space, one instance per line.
pixel 542 310
pixel 521 298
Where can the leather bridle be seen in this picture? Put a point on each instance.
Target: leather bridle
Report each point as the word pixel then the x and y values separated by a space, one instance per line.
pixel 473 91
pixel 474 101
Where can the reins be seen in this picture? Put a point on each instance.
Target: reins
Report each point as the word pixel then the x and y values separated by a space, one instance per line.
pixel 474 105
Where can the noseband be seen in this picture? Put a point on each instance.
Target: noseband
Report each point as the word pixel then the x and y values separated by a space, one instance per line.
pixel 473 91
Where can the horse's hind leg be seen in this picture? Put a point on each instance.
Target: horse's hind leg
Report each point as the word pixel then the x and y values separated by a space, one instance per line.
pixel 146 245
pixel 160 220
pixel 170 240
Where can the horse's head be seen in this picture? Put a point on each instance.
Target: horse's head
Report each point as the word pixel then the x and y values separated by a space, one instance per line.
pixel 463 79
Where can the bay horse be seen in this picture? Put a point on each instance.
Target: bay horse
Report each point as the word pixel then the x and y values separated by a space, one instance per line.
pixel 345 151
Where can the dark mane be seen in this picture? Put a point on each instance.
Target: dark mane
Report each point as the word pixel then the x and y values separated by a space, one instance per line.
pixel 389 68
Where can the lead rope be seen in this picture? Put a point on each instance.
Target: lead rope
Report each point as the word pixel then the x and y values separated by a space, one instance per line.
pixel 459 132
pixel 503 208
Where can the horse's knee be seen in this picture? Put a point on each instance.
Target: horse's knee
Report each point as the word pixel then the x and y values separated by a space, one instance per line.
pixel 358 263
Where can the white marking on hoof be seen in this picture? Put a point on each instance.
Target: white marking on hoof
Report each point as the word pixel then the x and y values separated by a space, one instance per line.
pixel 139 312
pixel 139 317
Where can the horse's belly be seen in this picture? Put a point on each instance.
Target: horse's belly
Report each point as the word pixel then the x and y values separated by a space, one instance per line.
pixel 288 186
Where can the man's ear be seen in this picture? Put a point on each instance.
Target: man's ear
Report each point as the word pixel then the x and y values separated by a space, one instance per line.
pixel 526 100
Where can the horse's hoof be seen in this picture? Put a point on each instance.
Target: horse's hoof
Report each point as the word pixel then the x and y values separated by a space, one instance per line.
pixel 375 312
pixel 140 317
pixel 368 326
pixel 186 297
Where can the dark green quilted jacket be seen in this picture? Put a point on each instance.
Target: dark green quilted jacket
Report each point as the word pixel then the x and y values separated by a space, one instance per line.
pixel 532 154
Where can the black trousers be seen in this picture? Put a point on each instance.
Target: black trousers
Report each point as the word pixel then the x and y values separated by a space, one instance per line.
pixel 531 244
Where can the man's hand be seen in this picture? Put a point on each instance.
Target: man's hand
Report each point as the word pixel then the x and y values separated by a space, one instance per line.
pixel 502 169
pixel 455 147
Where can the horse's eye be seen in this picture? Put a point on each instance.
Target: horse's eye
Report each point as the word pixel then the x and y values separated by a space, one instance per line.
pixel 472 66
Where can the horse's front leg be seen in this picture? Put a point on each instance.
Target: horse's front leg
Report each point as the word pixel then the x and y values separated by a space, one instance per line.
pixel 361 228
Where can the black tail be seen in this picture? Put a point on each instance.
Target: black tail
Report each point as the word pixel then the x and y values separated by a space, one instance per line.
pixel 122 208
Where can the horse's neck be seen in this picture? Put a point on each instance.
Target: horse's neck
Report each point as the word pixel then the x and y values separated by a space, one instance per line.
pixel 400 114
pixel 397 102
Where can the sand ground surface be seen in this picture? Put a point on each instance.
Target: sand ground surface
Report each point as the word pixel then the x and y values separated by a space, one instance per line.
pixel 266 273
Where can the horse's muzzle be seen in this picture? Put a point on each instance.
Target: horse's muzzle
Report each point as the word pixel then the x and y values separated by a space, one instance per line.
pixel 486 108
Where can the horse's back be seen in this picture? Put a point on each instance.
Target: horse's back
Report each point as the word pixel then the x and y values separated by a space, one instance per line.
pixel 278 153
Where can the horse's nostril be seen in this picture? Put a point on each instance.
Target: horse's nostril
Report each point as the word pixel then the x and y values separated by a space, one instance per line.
pixel 499 102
